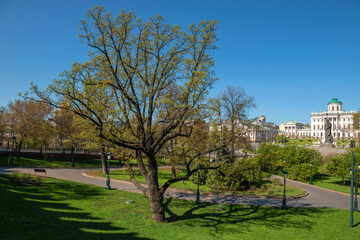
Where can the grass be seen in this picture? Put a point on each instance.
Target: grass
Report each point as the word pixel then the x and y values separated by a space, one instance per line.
pixel 331 182
pixel 268 189
pixel 61 209
pixel 62 162
pixel 301 142
pixel 55 162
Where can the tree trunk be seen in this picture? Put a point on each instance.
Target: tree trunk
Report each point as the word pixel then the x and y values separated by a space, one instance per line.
pixel 173 171
pixel 157 204
pixel 19 150
pixel 103 160
pixel 154 194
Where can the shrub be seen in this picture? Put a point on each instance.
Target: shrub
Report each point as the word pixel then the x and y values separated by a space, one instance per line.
pixel 301 171
pixel 237 176
pixel 271 158
pixel 203 175
pixel 339 166
pixel 26 179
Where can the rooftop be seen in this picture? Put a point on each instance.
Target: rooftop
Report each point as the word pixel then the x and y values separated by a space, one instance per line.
pixel 335 100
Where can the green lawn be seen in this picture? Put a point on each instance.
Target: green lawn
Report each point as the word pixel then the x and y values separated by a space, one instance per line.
pixel 66 210
pixel 55 162
pixel 62 162
pixel 268 189
pixel 332 182
pixel 301 142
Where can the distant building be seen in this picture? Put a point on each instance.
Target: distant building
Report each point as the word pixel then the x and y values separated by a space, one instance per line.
pixel 261 131
pixel 257 131
pixel 341 122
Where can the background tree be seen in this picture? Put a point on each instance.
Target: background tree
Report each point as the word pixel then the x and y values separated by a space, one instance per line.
pixel 234 105
pixel 64 125
pixel 280 138
pixel 82 131
pixel 145 83
pixel 2 125
pixel 26 117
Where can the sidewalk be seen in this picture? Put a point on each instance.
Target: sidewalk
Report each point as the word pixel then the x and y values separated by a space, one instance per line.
pixel 318 197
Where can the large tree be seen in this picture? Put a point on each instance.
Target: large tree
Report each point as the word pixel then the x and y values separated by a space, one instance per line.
pixel 2 125
pixel 233 106
pixel 145 83
pixel 26 117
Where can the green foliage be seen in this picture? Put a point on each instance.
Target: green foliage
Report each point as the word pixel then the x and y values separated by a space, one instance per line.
pixel 339 165
pixel 281 139
pixel 203 176
pixel 296 159
pixel 300 172
pixel 237 176
pixel 224 155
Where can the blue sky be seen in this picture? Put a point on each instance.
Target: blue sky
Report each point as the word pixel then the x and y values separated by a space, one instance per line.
pixel 292 56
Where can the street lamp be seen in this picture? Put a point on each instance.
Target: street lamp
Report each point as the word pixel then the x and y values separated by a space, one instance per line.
pixel 311 164
pixel 356 187
pixel 197 201
pixel 351 170
pixel 11 156
pixel 72 155
pixel 283 206
pixel 108 169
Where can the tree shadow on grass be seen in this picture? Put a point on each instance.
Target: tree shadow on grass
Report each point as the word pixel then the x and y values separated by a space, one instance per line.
pixel 29 212
pixel 239 218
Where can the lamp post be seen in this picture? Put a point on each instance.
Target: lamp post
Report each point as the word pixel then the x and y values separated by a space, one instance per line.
pixel 11 156
pixel 352 191
pixel 283 206
pixel 108 177
pixel 197 201
pixel 72 155
pixel 311 164
pixel 356 188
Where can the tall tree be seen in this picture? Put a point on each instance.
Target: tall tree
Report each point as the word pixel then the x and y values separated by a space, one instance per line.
pixel 145 83
pixel 234 105
pixel 26 117
pixel 2 125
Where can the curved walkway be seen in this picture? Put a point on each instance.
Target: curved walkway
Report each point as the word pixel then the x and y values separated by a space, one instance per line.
pixel 317 197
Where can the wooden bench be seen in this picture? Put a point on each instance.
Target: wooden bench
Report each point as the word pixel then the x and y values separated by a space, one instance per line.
pixel 40 170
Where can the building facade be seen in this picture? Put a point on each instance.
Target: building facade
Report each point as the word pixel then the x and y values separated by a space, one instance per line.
pixel 261 131
pixel 341 122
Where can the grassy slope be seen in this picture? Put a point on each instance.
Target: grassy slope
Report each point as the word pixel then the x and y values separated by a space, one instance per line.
pixel 66 210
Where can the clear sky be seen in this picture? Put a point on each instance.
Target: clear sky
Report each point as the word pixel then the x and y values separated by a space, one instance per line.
pixel 293 56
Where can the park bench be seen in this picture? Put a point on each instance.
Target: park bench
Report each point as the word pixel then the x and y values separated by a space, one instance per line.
pixel 40 170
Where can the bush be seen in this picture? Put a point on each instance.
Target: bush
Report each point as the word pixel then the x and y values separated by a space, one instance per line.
pixel 339 165
pixel 203 175
pixel 26 179
pixel 297 159
pixel 237 176
pixel 301 171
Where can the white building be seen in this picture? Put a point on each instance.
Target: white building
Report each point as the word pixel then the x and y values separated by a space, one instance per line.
pixel 341 122
pixel 261 131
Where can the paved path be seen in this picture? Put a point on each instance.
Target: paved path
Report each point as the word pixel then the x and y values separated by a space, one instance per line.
pixel 318 197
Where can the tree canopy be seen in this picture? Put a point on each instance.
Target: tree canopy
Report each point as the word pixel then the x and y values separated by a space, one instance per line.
pixel 144 84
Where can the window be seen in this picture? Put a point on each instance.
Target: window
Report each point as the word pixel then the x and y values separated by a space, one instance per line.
pixel 332 109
